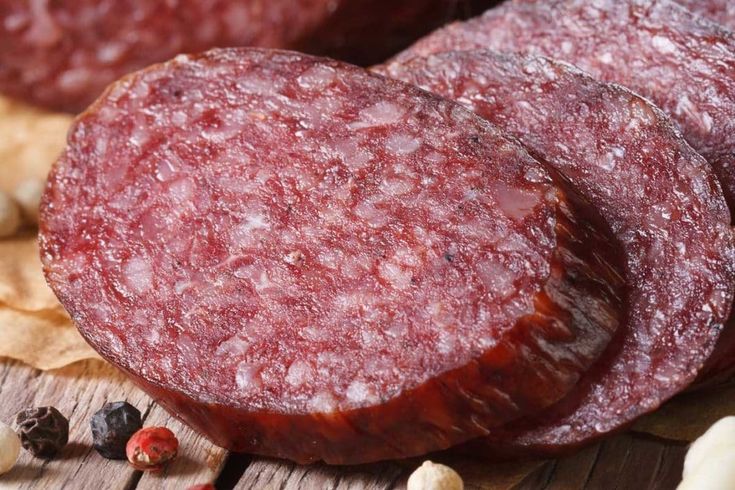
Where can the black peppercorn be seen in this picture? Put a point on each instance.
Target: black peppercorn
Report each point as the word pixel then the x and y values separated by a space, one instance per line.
pixel 43 431
pixel 112 426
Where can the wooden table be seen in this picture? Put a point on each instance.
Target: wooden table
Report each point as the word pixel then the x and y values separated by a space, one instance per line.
pixel 628 461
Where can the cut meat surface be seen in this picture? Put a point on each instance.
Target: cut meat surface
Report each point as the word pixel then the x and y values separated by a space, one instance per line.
pixel 720 11
pixel 305 260
pixel 683 62
pixel 62 53
pixel 658 195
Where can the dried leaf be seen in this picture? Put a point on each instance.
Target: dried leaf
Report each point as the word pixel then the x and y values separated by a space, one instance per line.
pixel 45 340
pixel 688 416
pixel 22 285
pixel 30 141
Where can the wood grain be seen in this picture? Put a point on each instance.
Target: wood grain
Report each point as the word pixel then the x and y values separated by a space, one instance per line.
pixel 78 391
pixel 623 462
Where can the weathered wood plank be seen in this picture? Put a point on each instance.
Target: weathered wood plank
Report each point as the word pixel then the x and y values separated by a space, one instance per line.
pixel 573 471
pixel 78 391
pixel 275 475
pixel 477 475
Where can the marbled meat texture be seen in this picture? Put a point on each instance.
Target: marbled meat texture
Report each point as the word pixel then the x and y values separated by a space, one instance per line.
pixel 62 53
pixel 683 62
pixel 720 11
pixel 661 200
pixel 308 261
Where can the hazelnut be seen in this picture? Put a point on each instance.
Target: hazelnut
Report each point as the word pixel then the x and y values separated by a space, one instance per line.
pixel 432 476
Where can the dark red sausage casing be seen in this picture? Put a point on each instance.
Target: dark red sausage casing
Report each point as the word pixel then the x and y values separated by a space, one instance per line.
pixel 305 260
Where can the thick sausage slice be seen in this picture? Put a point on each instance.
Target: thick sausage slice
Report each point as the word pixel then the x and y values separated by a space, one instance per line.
pixel 305 260
pixel 62 53
pixel 659 197
pixel 684 63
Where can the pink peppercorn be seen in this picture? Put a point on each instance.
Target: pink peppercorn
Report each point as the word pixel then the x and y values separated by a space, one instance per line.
pixel 151 448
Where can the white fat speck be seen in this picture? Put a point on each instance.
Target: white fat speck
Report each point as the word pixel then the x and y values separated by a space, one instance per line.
pixel 684 106
pixel 360 392
pixel 181 190
pixel 351 154
pixel 606 58
pixel 395 275
pixel 402 144
pixel 259 278
pixel 396 187
pixel 110 52
pixel 567 47
pixel 260 86
pixel 233 347
pixel 445 342
pixel 323 402
pixel 254 222
pixel 100 146
pixel 406 256
pixel 179 118
pixel 381 114
pixel 72 80
pixel 248 377
pixel 707 122
pixel 245 234
pixel 180 286
pixel 299 373
pixel 440 315
pixel 165 170
pixel 138 274
pixel 317 77
pixel 397 329
pixel 610 159
pixel 372 215
pixel 330 258
pixel 663 45
pixel 153 336
pixel 498 280
pixel 515 203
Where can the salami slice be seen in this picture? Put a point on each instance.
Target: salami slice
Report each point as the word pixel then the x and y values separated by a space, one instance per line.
pixel 721 11
pixel 659 197
pixel 62 54
pixel 305 260
pixel 684 63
